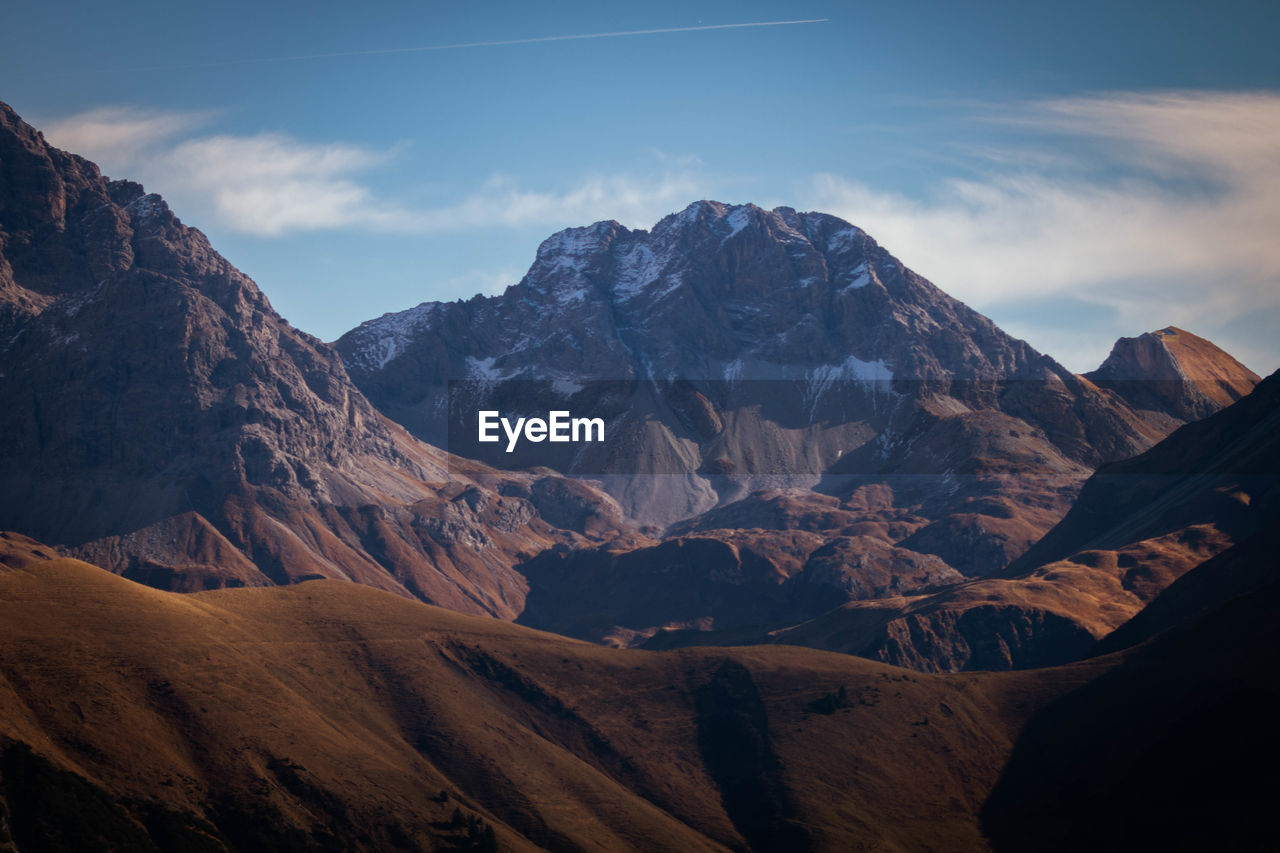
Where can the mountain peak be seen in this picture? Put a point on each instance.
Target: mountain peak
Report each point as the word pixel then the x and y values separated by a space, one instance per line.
pixel 582 240
pixel 1174 372
pixel 68 231
pixel 160 418
pixel 727 220
pixel 797 314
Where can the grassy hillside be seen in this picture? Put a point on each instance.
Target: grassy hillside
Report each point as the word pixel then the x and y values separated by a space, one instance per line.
pixel 330 714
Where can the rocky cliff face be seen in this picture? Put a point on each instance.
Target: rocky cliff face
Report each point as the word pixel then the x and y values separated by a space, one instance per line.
pixel 162 419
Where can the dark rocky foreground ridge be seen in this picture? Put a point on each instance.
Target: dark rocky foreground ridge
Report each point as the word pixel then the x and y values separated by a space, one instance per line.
pixel 161 419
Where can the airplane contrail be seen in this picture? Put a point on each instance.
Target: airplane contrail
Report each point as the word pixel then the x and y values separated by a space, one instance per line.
pixel 472 44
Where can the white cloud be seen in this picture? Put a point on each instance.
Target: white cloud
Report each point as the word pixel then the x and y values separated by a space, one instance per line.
pixel 1231 133
pixel 267 184
pixel 630 200
pixel 271 184
pixel 116 137
pixel 1172 220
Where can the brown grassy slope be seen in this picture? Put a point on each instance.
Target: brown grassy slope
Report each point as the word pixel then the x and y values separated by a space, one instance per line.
pixel 17 551
pixel 1241 570
pixel 333 708
pixel 1218 470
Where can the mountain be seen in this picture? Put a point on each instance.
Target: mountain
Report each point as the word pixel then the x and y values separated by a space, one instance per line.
pixel 753 348
pixel 1151 541
pixel 822 450
pixel 800 421
pixel 1167 751
pixel 1239 571
pixel 163 420
pixel 1222 471
pixel 798 418
pixel 1173 373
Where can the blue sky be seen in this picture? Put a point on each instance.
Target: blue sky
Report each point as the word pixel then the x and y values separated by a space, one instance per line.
pixel 1076 171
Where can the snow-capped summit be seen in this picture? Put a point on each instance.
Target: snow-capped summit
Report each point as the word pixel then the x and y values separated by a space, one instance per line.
pixel 780 346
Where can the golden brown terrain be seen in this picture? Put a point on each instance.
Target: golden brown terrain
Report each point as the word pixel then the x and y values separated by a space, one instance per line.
pixel 332 716
pixel 332 712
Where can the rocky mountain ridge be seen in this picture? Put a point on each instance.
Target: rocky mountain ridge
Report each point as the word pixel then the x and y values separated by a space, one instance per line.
pixel 786 400
pixel 161 418
pixel 801 313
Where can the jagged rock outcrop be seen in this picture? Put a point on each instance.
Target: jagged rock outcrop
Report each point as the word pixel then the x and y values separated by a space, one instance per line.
pixel 159 416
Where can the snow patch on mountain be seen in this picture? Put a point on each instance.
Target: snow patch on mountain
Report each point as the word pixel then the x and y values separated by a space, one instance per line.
pixel 146 207
pixel 385 338
pixel 859 276
pixel 874 375
pixel 638 267
pixel 565 387
pixel 738 218
pixel 483 369
pixel 733 370
pixel 842 240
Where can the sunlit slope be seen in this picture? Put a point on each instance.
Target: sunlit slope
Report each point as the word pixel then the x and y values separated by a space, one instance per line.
pixel 334 711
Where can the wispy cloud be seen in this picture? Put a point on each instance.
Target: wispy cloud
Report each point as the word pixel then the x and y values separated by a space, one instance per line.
pixel 384 51
pixel 272 184
pixel 120 135
pixel 635 201
pixel 1171 218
